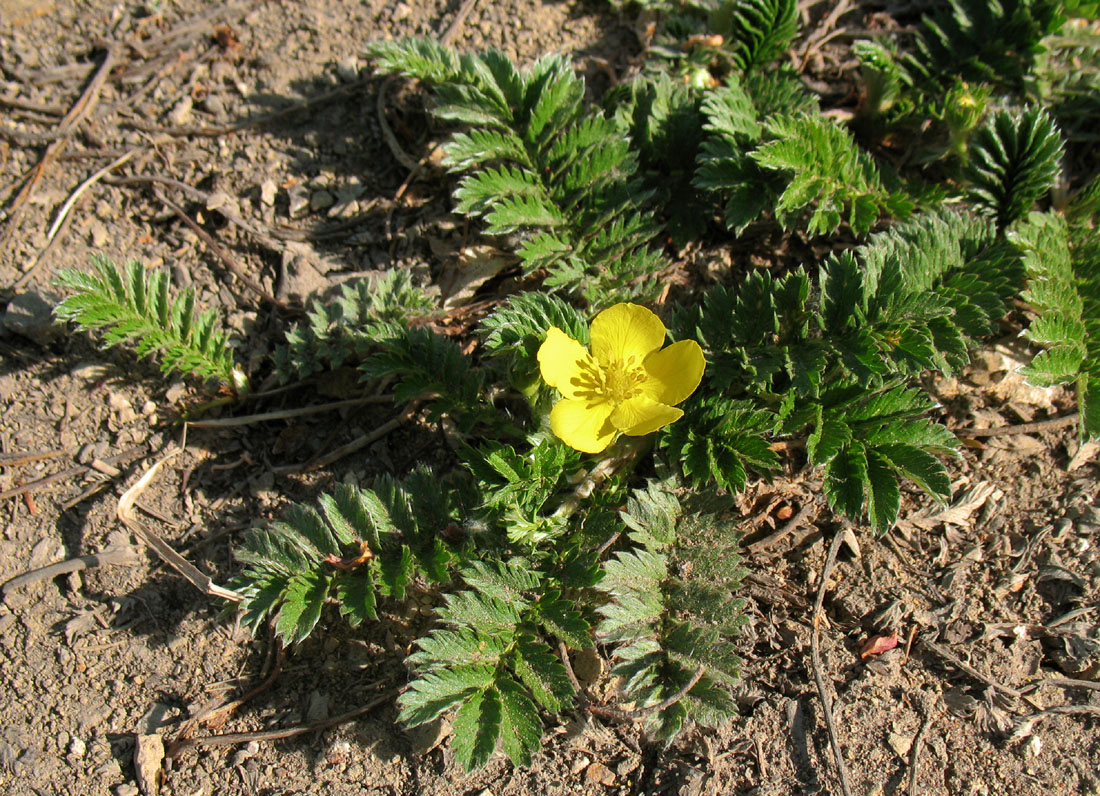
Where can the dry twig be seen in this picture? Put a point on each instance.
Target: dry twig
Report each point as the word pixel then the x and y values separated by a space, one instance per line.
pixel 83 106
pixel 232 738
pixel 815 655
pixel 1022 428
pixel 189 571
pixel 34 486
pixel 112 555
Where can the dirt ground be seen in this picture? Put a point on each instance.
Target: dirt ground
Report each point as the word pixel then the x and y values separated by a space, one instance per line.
pixel 992 688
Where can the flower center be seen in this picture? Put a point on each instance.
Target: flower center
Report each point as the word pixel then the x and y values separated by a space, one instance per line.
pixel 616 383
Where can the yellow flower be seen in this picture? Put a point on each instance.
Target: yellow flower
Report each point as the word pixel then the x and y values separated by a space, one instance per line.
pixel 627 384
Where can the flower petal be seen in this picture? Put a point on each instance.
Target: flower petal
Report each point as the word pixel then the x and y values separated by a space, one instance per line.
pixel 641 415
pixel 582 424
pixel 674 372
pixel 560 361
pixel 624 331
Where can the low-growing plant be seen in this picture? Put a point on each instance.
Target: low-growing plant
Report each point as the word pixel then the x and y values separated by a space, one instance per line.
pixel 587 499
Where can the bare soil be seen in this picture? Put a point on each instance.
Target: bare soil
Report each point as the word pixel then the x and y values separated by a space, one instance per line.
pixel 1005 583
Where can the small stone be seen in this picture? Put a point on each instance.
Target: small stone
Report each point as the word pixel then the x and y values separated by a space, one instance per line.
pixel 99 234
pixel 181 114
pixel 901 744
pixel 317 710
pixel 175 392
pixel 148 759
pixel 299 200
pixel 126 789
pixel 30 315
pixel 77 748
pixel 148 408
pixel 217 199
pixel 214 105
pixel 599 774
pixel 117 401
pixel 425 737
pixel 348 69
pixel 267 192
pixel 401 11
pixel 249 750
pixel 320 200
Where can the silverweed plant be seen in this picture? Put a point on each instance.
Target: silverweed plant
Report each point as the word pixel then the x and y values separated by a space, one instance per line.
pixel 606 416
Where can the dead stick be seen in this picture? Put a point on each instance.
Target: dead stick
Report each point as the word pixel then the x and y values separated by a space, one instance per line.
pixel 112 555
pixel 358 443
pixel 918 746
pixel 1022 428
pixel 637 715
pixel 34 486
pixel 230 263
pixel 1024 725
pixel 1064 682
pixel 284 414
pixel 80 109
pixel 770 539
pixel 63 213
pixel 966 668
pixel 218 715
pixel 204 198
pixel 815 656
pixel 189 571
pixel 229 739
pixel 217 132
pixel 17 459
pixel 453 29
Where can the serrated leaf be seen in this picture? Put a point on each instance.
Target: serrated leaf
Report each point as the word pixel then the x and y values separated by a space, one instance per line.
pixel 394 572
pixel 355 592
pixel 845 478
pixel 919 466
pixel 304 597
pixel 543 673
pixel 827 439
pixel 520 728
pixel 883 495
pixel 476 729
pixel 561 617
pixel 482 611
pixel 435 692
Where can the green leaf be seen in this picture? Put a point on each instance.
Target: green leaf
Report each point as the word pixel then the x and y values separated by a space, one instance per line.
pixel 1013 160
pixel 925 470
pixel 883 495
pixel 561 617
pixel 827 439
pixel 543 673
pixel 845 477
pixel 132 305
pixel 304 597
pixel 520 728
pixel 476 729
pixel 355 592
pixel 435 692
pixel 515 212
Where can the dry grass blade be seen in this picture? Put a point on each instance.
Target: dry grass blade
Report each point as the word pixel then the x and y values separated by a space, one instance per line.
pixel 189 571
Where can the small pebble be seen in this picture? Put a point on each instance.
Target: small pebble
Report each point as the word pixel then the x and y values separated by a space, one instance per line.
pixel 348 69
pixel 77 748
pixel 126 789
pixel 320 200
pixel 267 192
pixel 901 744
pixel 299 200
pixel 181 114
